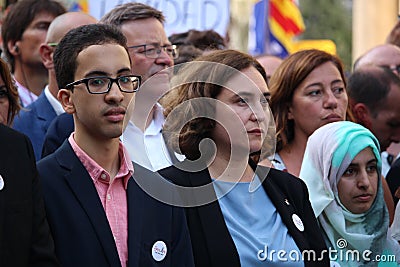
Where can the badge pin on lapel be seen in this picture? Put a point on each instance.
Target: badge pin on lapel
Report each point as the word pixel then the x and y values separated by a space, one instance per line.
pixel 298 222
pixel 1 182
pixel 159 251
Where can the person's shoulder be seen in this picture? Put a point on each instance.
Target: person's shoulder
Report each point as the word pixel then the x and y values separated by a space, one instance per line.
pixel 15 144
pixel 62 123
pixel 27 112
pixel 9 135
pixel 285 180
pixel 26 118
pixel 178 175
pixel 396 164
pixel 158 178
pixel 47 164
pixel 171 170
pixel 51 162
pixel 24 114
pixel 141 172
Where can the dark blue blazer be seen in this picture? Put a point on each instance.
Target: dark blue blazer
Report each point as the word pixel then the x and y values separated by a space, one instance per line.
pixel 80 228
pixel 34 120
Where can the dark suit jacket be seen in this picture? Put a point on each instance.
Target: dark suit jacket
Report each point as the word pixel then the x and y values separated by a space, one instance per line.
pixel 25 238
pixel 393 179
pixel 80 228
pixel 211 241
pixel 59 130
pixel 34 122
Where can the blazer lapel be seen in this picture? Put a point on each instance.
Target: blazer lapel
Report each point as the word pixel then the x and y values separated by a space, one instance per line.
pixel 83 188
pixel 219 241
pixel 286 211
pixel 135 222
pixel 45 111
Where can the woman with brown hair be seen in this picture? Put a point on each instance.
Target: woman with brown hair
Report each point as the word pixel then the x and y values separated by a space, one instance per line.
pixel 308 90
pixel 9 100
pixel 236 212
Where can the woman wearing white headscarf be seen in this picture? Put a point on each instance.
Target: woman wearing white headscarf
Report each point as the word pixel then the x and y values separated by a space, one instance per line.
pixel 341 168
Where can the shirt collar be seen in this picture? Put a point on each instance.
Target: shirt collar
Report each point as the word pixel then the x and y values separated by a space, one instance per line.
pixel 53 101
pixel 98 173
pixel 157 122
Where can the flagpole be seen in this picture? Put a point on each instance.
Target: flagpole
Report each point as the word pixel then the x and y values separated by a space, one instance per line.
pixel 267 49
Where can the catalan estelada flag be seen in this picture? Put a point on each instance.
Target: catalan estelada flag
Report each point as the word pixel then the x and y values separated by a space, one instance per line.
pixel 275 23
pixel 80 5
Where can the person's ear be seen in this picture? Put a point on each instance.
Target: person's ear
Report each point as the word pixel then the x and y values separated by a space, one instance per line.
pixel 13 48
pixel 65 98
pixel 362 114
pixel 46 53
pixel 290 113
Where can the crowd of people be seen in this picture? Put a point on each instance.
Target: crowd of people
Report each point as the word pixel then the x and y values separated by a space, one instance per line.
pixel 122 146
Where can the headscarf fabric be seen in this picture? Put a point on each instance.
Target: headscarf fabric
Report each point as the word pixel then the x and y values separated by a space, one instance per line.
pixel 329 152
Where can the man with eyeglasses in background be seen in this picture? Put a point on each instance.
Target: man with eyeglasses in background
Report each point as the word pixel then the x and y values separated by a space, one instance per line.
pixel 152 54
pixel 97 212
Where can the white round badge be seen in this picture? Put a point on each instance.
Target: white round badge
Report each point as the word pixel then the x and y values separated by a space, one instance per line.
pixel 159 251
pixel 1 182
pixel 298 222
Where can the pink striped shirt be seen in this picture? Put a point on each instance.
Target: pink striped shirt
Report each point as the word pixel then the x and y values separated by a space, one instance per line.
pixel 112 194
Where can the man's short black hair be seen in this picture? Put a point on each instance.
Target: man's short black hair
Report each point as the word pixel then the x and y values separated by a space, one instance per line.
pixel 370 85
pixel 77 40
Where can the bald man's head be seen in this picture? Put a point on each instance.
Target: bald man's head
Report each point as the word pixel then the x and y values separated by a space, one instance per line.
pixel 57 30
pixel 66 22
pixel 270 63
pixel 386 55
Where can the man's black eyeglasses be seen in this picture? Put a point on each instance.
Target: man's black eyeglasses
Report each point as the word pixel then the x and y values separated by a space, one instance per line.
pixel 154 50
pixel 102 84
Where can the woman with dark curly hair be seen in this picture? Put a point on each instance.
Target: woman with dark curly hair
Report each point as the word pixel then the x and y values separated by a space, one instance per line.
pixel 9 100
pixel 236 212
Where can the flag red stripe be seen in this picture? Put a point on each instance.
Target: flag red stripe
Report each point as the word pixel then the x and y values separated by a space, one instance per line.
pixel 286 23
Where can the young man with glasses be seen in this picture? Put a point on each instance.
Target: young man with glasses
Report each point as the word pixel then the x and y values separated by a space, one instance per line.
pixel 97 212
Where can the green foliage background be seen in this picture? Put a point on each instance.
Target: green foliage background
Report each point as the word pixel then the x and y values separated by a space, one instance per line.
pixel 329 19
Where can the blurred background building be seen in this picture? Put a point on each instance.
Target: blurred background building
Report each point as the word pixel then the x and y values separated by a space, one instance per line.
pixel 344 27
